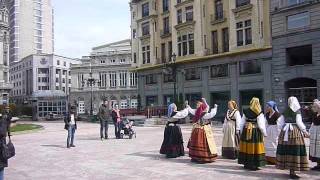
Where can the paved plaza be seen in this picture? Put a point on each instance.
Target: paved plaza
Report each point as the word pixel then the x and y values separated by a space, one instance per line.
pixel 43 156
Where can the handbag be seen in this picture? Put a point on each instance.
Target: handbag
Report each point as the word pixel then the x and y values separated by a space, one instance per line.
pixel 8 150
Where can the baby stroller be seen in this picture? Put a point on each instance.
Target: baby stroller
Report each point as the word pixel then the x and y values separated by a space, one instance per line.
pixel 126 129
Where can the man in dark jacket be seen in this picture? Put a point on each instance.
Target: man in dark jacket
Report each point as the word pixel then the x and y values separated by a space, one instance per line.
pixel 71 126
pixel 104 116
pixel 5 121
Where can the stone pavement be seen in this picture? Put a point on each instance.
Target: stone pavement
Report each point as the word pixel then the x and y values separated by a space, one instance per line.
pixel 43 156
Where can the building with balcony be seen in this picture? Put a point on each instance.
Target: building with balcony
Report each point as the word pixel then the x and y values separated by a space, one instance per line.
pixel 296 55
pixel 220 49
pixel 41 74
pixel 109 66
pixel 5 86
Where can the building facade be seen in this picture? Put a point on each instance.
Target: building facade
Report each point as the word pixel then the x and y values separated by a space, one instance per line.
pixel 221 50
pixel 110 66
pixel 5 86
pixel 31 28
pixel 296 55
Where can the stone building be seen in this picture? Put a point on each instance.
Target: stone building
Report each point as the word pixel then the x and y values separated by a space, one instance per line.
pixel 110 66
pixel 5 86
pixel 220 50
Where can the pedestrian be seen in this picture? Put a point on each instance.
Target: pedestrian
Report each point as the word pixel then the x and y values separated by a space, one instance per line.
pixel 104 117
pixel 172 145
pixel 71 126
pixel 252 126
pixel 116 120
pixel 202 147
pixel 5 122
pixel 314 154
pixel 273 118
pixel 291 150
pixel 231 132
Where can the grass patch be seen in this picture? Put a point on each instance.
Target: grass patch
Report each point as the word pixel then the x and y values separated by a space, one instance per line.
pixel 24 127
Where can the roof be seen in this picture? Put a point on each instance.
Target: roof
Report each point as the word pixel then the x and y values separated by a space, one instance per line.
pixel 111 44
pixel 49 93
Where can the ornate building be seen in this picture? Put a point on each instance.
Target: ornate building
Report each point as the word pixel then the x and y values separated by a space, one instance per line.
pixel 5 86
pixel 109 66
pixel 220 50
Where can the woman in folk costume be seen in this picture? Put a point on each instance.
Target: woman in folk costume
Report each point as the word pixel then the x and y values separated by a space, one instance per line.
pixel 253 131
pixel 231 131
pixel 273 118
pixel 291 150
pixel 172 145
pixel 202 147
pixel 314 154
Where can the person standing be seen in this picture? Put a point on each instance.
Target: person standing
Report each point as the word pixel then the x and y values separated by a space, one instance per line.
pixel 5 121
pixel 71 126
pixel 273 118
pixel 252 126
pixel 104 116
pixel 314 154
pixel 202 147
pixel 231 132
pixel 116 121
pixel 291 150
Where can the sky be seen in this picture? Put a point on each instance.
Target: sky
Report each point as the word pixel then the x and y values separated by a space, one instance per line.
pixel 80 25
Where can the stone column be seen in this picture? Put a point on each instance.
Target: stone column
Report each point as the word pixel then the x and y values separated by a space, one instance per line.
pixel 205 79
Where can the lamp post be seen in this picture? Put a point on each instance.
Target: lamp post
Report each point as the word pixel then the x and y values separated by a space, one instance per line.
pixel 170 68
pixel 91 82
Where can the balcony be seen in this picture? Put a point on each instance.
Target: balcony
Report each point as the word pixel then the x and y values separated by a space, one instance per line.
pixel 184 24
pixel 165 32
pixel 218 18
pixel 243 7
pixel 183 2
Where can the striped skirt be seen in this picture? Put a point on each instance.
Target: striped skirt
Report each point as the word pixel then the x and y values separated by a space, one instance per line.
pixel 314 155
pixel 251 149
pixel 198 145
pixel 292 154
pixel 230 143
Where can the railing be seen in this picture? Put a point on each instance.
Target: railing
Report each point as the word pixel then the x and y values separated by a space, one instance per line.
pixel 155 111
pixel 218 16
pixel 165 32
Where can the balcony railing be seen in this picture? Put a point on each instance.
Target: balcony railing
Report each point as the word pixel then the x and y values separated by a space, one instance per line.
pixel 218 17
pixel 165 32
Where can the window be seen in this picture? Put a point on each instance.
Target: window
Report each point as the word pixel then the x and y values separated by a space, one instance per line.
pixel 57 88
pixel 64 64
pixel 151 79
pixel 300 55
pixel 69 81
pixel 38 26
pixel 151 100
pixel 145 54
pixel 179 1
pixel 134 57
pixel 123 78
pixel 133 79
pixel 298 20
pixel 123 104
pixel 163 52
pixel 168 78
pixel 215 42
pixel 134 33
pixel 64 89
pixel 294 2
pixel 166 28
pixel 186 45
pixel 179 16
pixel 219 10
pixel 165 5
pixel 113 79
pixel 250 67
pixel 145 29
pixel 58 63
pixel 122 60
pixel 244 34
pixel 192 74
pixel 134 103
pixel 57 80
pixel 220 70
pixel 192 98
pixel 103 79
pixel 37 12
pixel 242 2
pixel 225 40
pixel 39 46
pixel 145 9
pixel 112 61
pixel 102 61
pixel 63 80
pixel 189 13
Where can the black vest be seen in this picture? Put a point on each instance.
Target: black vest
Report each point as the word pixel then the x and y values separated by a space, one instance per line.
pixel 273 119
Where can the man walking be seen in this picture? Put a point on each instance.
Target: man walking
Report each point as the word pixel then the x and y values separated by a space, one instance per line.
pixel 104 115
pixel 71 126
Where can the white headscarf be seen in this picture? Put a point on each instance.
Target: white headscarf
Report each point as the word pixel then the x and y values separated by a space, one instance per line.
pixel 294 104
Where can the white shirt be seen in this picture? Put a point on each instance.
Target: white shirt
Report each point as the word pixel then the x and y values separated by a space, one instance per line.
pixel 72 121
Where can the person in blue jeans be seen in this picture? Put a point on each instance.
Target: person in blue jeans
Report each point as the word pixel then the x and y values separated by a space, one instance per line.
pixel 5 120
pixel 71 126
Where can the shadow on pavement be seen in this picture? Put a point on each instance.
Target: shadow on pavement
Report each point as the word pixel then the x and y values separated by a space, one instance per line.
pixel 54 146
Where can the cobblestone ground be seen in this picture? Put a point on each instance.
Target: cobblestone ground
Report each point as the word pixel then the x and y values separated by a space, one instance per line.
pixel 43 156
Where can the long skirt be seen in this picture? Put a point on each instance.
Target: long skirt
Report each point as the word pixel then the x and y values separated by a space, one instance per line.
pixel 230 143
pixel 314 154
pixel 292 154
pixel 252 152
pixel 172 145
pixel 271 143
pixel 202 147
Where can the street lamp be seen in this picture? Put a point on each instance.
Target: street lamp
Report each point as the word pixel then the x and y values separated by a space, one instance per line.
pixel 170 68
pixel 91 82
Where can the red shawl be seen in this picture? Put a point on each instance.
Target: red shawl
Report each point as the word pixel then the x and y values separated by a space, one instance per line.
pixel 199 112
